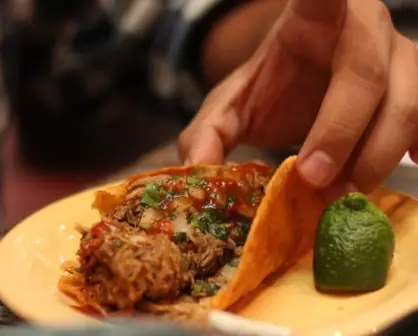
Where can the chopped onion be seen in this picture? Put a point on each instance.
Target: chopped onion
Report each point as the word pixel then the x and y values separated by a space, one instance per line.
pixel 181 204
pixel 228 272
pixel 137 238
pixel 148 217
pixel 180 223
pixel 197 192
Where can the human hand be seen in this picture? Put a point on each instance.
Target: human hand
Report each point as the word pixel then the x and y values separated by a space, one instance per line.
pixel 332 73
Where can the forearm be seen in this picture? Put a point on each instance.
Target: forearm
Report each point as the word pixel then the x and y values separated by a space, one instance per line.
pixel 236 36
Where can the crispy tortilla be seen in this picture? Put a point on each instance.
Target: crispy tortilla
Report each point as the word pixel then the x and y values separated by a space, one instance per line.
pixel 282 231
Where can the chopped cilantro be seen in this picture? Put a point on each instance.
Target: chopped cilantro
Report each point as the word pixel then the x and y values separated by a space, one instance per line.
pixel 180 237
pixel 231 201
pixel 245 228
pixel 199 287
pixel 171 193
pixel 176 177
pixel 192 180
pixel 252 199
pixel 211 221
pixel 203 287
pixel 219 231
pixel 194 221
pixel 234 263
pixel 151 195
pixel 117 242
pixel 212 289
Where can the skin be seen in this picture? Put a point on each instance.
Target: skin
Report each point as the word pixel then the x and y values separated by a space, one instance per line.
pixel 332 75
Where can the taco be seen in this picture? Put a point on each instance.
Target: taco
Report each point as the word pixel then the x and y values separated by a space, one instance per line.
pixel 179 241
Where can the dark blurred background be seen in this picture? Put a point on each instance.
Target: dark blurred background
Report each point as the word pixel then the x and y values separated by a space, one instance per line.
pixel 87 116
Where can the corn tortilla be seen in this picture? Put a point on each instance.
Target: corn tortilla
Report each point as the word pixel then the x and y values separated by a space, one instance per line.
pixel 282 232
pixel 283 229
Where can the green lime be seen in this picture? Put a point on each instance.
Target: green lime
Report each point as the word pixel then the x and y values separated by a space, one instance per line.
pixel 354 246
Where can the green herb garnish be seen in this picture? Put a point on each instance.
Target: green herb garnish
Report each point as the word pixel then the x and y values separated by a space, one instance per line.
pixel 219 231
pixel 194 221
pixel 245 228
pixel 117 242
pixel 234 263
pixel 212 289
pixel 180 237
pixel 252 199
pixel 172 193
pixel 206 288
pixel 198 288
pixel 175 177
pixel 151 195
pixel 192 180
pixel 231 201
pixel 211 221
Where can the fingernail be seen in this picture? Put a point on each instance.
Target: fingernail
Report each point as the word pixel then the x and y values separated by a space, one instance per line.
pixel 318 169
pixel 186 162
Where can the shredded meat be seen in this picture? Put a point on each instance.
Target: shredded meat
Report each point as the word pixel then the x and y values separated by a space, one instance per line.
pixel 125 273
pixel 130 212
pixel 205 254
pixel 169 245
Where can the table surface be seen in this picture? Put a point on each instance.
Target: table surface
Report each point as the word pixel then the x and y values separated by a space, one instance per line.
pixel 166 155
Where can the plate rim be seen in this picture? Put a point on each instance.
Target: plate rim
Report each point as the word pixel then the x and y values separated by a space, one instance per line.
pixel 28 315
pixel 7 299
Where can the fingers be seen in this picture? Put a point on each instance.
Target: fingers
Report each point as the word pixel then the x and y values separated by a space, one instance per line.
pixel 391 134
pixel 218 126
pixel 310 29
pixel 357 86
pixel 326 11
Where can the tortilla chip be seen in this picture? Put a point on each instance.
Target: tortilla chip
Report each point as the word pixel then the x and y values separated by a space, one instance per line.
pixel 282 232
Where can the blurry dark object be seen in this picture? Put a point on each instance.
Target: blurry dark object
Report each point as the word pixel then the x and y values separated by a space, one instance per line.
pixel 121 329
pixel 407 326
pixel 78 86
pixel 53 10
pixel 405 18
